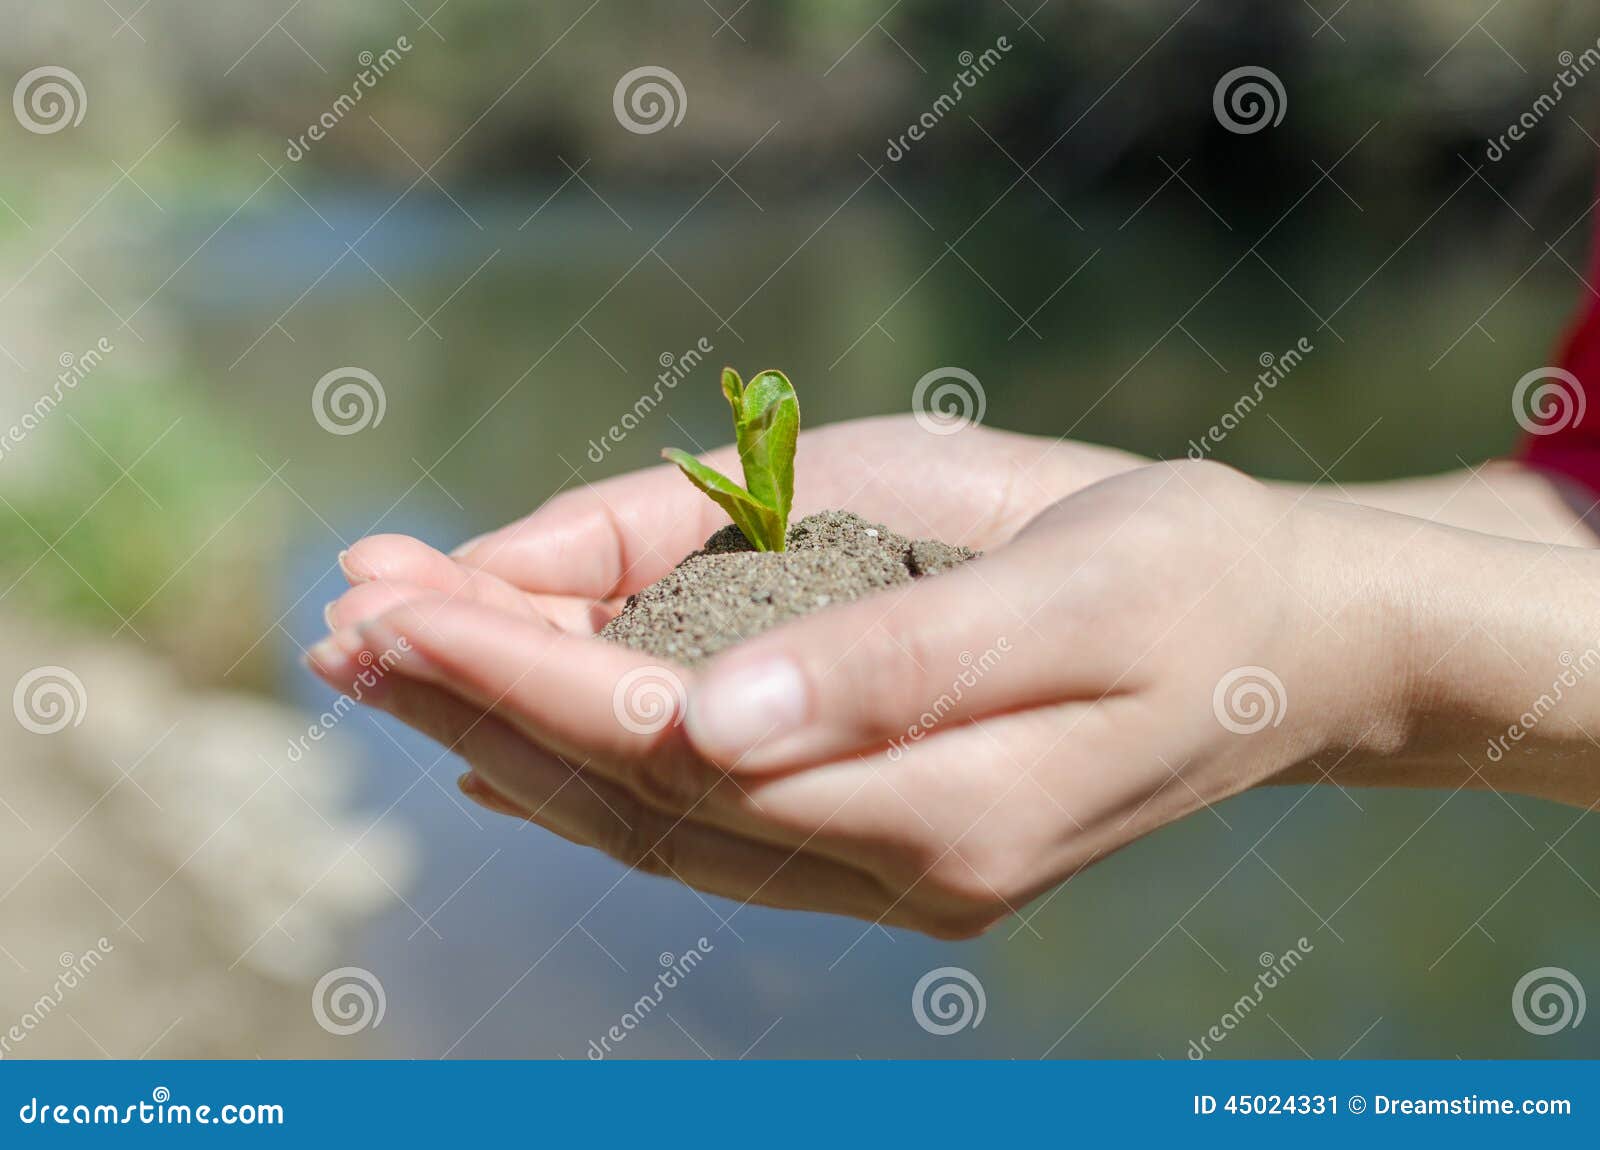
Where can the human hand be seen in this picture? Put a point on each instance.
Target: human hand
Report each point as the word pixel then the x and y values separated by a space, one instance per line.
pixel 937 755
pixel 571 561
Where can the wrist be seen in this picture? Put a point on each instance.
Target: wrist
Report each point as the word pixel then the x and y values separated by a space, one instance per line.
pixel 1469 659
pixel 1354 638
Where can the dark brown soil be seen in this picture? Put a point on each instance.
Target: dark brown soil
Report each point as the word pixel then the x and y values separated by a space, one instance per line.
pixel 728 591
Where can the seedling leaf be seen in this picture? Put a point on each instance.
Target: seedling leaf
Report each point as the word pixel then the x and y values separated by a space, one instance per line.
pixel 733 388
pixel 760 524
pixel 768 426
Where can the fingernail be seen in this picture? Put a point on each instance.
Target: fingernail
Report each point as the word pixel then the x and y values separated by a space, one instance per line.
pixel 741 707
pixel 351 573
pixel 465 547
pixel 333 651
pixel 327 613
pixel 326 654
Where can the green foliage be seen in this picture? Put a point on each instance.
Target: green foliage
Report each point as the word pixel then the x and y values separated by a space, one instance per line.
pixel 177 548
pixel 766 423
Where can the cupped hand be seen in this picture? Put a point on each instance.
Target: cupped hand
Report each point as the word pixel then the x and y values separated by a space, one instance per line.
pixel 934 756
pixel 573 559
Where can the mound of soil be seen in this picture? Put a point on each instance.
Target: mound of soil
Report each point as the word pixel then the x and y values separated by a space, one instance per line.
pixel 728 591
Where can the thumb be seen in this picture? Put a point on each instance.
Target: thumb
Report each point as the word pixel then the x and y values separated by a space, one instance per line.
pixel 884 671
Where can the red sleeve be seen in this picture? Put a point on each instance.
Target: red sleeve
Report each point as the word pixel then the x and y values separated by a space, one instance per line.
pixel 1559 407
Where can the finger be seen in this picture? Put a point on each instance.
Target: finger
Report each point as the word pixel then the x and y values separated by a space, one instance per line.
pixel 401 559
pixel 512 777
pixel 605 708
pixel 472 785
pixel 595 704
pixel 369 600
pixel 581 698
pixel 908 864
pixel 885 670
pixel 602 540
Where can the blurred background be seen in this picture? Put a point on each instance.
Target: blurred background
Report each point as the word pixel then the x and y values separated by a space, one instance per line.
pixel 512 259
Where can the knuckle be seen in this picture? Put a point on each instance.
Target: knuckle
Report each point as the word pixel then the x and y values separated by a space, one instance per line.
pixel 572 501
pixel 958 927
pixel 1210 491
pixel 883 681
pixel 430 713
pixel 902 866
pixel 1207 475
pixel 645 844
pixel 447 721
pixel 980 879
pixel 670 781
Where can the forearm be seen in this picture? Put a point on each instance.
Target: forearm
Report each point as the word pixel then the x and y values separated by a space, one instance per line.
pixel 1498 498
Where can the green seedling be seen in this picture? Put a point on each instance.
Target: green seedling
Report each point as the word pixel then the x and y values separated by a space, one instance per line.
pixel 766 423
